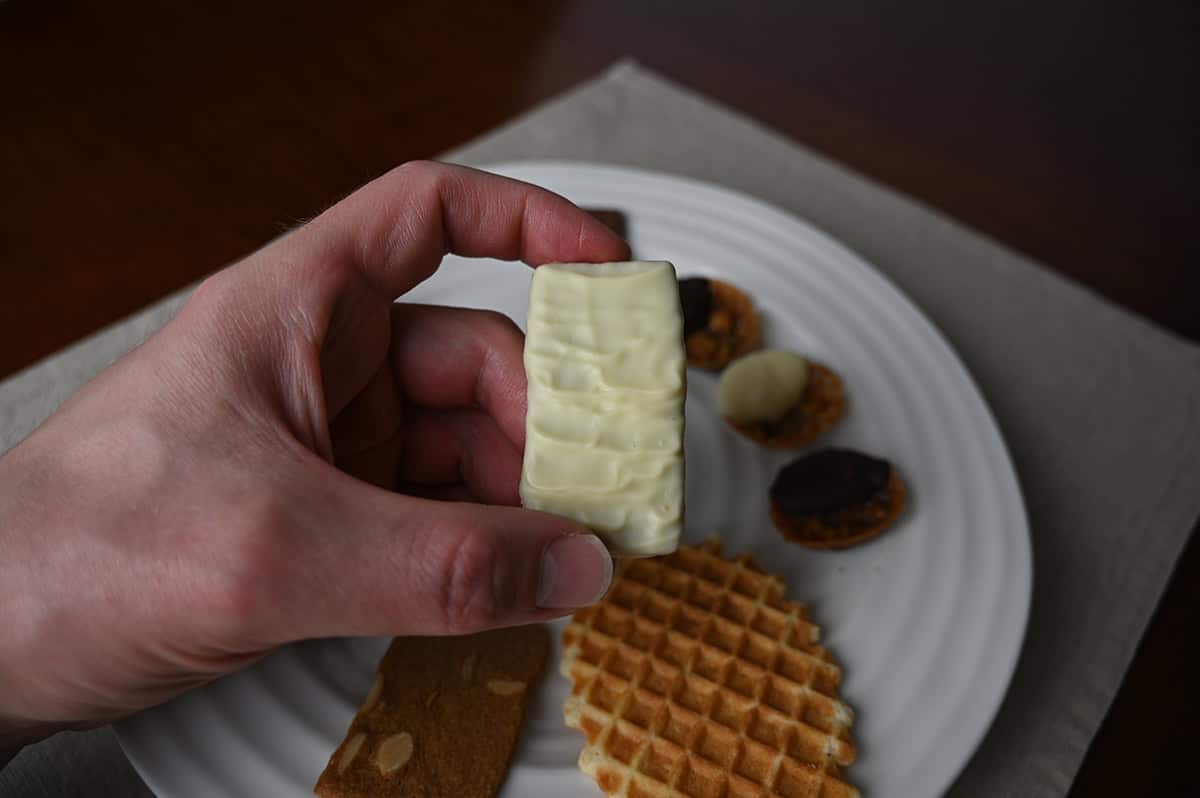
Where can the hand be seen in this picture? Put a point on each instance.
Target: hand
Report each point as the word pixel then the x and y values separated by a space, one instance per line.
pixel 230 485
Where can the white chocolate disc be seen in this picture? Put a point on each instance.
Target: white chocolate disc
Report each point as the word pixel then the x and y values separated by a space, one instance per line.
pixel 762 386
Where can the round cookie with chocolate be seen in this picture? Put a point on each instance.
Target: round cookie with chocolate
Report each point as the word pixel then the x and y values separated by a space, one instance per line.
pixel 780 399
pixel 720 322
pixel 836 498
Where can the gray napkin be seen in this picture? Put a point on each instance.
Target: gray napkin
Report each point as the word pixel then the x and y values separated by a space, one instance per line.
pixel 1099 408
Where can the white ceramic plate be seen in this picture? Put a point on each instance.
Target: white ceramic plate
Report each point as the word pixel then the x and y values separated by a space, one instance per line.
pixel 927 621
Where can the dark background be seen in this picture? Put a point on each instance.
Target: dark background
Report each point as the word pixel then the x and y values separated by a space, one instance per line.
pixel 145 144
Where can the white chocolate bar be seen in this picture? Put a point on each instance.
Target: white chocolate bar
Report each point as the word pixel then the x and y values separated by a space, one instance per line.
pixel 607 374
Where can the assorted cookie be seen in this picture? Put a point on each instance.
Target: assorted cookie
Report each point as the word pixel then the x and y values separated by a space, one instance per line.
pixel 720 322
pixel 695 676
pixel 780 399
pixel 442 717
pixel 835 498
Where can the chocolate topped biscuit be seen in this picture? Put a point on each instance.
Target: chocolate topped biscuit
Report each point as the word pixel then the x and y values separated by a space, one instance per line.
pixel 820 406
pixel 836 498
pixel 695 295
pixel 719 320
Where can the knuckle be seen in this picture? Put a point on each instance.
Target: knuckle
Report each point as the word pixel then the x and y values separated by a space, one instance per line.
pixel 219 304
pixel 501 344
pixel 472 598
pixel 495 323
pixel 212 291
pixel 420 172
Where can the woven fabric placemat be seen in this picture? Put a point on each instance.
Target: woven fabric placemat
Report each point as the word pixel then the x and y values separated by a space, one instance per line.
pixel 1099 409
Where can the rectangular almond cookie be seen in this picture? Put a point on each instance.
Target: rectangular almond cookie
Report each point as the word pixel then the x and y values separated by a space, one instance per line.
pixel 607 372
pixel 442 718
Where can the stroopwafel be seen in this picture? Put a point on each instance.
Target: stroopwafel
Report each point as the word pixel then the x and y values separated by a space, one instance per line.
pixel 695 677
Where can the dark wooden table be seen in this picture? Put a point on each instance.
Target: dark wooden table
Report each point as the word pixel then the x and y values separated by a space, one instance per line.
pixel 144 144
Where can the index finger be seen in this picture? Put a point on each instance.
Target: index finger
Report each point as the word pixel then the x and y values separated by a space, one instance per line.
pixel 397 227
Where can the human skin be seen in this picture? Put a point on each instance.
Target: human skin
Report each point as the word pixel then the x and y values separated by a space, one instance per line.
pixel 231 484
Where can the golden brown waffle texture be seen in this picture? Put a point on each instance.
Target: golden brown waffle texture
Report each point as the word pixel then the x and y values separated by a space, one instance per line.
pixel 695 677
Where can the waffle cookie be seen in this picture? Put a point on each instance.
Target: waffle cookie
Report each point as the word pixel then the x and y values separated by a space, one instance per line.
pixel 695 677
pixel 442 719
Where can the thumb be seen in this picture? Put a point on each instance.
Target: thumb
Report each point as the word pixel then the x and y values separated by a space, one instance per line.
pixel 407 565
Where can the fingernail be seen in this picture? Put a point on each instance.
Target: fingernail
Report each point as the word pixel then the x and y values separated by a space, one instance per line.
pixel 576 571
